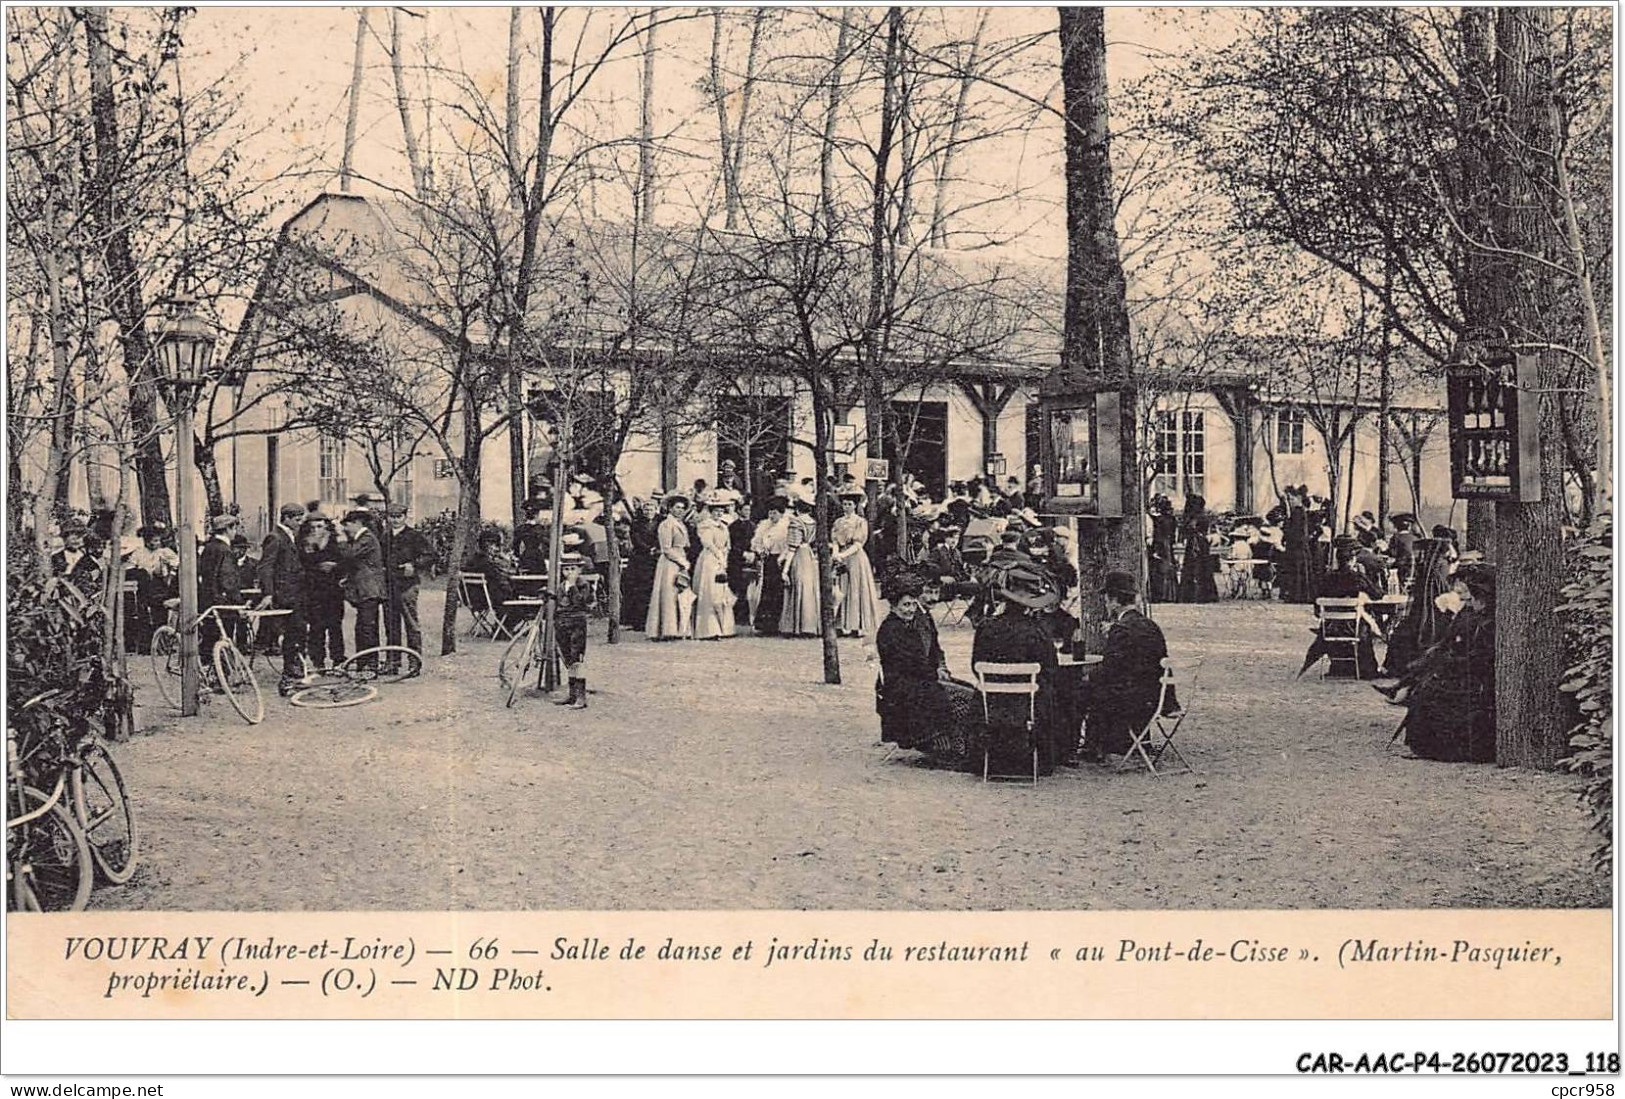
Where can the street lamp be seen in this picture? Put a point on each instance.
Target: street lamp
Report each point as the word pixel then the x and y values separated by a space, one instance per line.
pixel 185 352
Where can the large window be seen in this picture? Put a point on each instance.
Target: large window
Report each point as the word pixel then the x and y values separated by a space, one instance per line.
pixel 335 486
pixel 1181 453
pixel 1289 431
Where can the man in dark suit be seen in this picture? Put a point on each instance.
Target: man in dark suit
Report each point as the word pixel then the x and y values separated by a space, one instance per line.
pixel 364 582
pixel 282 582
pixel 1125 686
pixel 411 557
pixel 219 582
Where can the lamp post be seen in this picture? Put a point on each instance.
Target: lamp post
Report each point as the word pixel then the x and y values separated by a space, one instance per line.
pixel 185 351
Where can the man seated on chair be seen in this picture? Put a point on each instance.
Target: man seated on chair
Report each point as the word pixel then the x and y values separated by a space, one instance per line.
pixel 1126 684
pixel 945 564
pixel 1016 636
pixel 1349 581
pixel 497 566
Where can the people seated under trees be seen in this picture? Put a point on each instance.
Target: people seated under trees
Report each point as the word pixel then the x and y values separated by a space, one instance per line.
pixel 1125 686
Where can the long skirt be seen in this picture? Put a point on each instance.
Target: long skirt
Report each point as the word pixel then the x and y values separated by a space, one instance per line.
pixel 860 598
pixel 714 604
pixel 636 583
pixel 800 615
pixel 770 601
pixel 663 620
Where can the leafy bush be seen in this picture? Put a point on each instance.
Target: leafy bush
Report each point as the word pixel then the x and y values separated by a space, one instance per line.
pixel 440 529
pixel 1588 614
pixel 54 655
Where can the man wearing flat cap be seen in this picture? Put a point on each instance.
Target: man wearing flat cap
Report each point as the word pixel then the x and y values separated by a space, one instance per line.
pixel 282 582
pixel 364 584
pixel 1125 686
pixel 410 556
pixel 219 582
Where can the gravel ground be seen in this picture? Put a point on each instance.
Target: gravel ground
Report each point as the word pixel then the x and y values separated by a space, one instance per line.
pixel 726 775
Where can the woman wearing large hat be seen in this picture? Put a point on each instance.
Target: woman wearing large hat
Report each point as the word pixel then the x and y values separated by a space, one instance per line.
pixel 855 575
pixel 713 607
pixel 1452 686
pixel 664 621
pixel 1014 636
pixel 800 617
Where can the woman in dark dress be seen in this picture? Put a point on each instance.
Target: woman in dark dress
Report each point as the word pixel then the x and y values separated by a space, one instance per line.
pixel 530 540
pixel 1292 573
pixel 1452 704
pixel 1424 624
pixel 1164 572
pixel 1196 583
pixel 639 578
pixel 911 698
pixel 1014 636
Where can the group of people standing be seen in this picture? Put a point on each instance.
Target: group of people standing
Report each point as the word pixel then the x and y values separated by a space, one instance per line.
pixel 700 569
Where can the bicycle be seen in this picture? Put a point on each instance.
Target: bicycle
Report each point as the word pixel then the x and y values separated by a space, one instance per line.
pixel 233 674
pixel 48 860
pixel 523 653
pixel 355 680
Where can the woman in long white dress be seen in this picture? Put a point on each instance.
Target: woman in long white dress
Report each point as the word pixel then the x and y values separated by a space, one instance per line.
pixel 800 615
pixel 860 599
pixel 665 620
pixel 713 607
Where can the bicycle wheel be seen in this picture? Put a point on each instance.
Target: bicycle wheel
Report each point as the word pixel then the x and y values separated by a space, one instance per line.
pixel 389 664
pixel 516 653
pixel 166 664
pixel 48 860
pixel 333 696
pixel 104 813
pixel 238 682
pixel 518 673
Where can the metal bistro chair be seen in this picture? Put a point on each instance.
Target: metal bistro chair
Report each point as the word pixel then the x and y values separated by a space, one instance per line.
pixel 1342 626
pixel 1014 679
pixel 476 596
pixel 1156 740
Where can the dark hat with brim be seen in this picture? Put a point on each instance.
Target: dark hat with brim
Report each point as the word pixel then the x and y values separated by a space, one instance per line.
pixel 358 515
pixel 1479 578
pixel 1120 584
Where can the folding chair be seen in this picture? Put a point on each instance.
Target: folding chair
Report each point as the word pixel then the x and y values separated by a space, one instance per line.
pixel 1013 679
pixel 1154 741
pixel 476 596
pixel 1342 622
pixel 956 606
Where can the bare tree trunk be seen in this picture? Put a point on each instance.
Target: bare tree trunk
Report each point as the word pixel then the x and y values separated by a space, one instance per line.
pixel 741 124
pixel 646 137
pixel 403 104
pixel 127 305
pixel 1096 345
pixel 1476 92
pixel 208 469
pixel 56 458
pixel 357 72
pixel 826 154
pixel 612 549
pixel 938 233
pixel 516 159
pixel 467 526
pixel 1385 397
pixel 1531 720
pixel 874 349
pixel 826 566
pixel 730 186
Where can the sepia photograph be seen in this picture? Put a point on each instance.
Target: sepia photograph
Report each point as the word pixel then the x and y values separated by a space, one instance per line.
pixel 911 459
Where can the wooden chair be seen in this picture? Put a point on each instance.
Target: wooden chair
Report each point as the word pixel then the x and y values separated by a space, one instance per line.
pixel 475 593
pixel 1012 679
pixel 1156 740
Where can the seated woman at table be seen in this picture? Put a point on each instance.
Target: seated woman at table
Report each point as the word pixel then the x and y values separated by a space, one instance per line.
pixel 920 704
pixel 1426 621
pixel 1015 636
pixel 1452 701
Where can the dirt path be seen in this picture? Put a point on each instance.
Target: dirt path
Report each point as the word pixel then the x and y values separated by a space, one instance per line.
pixel 726 776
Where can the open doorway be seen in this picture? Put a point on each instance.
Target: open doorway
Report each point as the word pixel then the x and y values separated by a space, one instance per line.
pixel 918 430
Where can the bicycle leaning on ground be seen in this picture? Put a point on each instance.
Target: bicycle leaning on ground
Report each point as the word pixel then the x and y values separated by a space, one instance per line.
pixel 356 680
